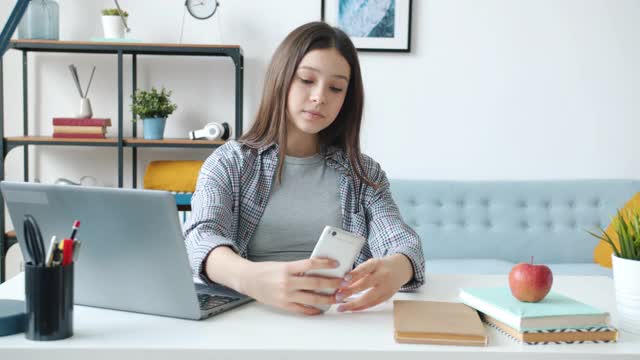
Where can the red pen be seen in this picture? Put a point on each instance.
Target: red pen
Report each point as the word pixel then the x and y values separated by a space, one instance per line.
pixel 74 229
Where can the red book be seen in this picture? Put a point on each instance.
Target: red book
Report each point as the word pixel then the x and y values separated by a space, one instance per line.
pixel 82 122
pixel 78 136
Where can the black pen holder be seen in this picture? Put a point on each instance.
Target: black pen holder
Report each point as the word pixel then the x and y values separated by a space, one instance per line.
pixel 49 300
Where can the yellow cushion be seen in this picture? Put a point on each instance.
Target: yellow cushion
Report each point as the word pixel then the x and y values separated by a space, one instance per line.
pixel 602 252
pixel 172 175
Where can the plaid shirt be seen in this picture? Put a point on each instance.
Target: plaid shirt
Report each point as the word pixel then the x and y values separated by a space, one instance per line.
pixel 234 186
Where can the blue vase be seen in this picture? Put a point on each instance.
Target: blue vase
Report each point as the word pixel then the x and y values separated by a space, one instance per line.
pixel 153 128
pixel 40 21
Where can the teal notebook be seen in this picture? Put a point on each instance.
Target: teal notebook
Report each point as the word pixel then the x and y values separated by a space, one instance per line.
pixel 556 311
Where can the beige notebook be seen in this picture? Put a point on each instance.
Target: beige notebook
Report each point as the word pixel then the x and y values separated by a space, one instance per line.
pixel 432 322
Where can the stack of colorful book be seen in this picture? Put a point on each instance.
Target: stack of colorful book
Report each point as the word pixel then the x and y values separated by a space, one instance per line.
pixel 73 128
pixel 556 319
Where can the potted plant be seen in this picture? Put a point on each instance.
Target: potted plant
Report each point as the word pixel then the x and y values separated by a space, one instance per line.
pixel 113 23
pixel 153 108
pixel 626 267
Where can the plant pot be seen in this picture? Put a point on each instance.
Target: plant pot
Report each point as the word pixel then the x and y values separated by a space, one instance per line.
pixel 112 26
pixel 153 128
pixel 626 278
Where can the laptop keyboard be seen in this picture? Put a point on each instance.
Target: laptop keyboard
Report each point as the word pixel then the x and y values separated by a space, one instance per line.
pixel 208 302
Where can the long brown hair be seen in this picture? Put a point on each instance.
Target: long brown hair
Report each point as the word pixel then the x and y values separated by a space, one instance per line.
pixel 270 125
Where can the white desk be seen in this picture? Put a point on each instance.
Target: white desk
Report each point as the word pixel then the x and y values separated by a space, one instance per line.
pixel 256 331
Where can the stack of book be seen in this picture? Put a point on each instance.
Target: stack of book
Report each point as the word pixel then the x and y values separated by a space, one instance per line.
pixel 73 128
pixel 556 319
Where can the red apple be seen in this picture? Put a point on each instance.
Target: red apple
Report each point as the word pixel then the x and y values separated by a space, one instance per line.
pixel 529 282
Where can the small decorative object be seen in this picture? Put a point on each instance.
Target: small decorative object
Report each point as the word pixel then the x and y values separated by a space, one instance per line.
pixel 153 108
pixel 40 21
pixel 114 22
pixel 85 104
pixel 199 9
pixel 202 9
pixel 373 25
pixel 529 282
pixel 211 131
pixel 626 267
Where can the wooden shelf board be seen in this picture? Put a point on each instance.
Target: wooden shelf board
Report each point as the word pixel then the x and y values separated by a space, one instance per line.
pixel 112 140
pixel 124 43
pixel 173 141
pixel 36 139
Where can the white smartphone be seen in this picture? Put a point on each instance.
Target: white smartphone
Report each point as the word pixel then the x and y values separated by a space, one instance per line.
pixel 339 245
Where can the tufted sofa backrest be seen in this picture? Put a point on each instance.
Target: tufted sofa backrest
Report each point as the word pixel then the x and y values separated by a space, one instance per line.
pixel 510 220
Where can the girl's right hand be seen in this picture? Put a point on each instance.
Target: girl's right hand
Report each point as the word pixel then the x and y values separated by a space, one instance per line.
pixel 284 285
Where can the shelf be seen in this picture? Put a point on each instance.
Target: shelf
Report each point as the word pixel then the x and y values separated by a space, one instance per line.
pixel 126 47
pixel 48 140
pixel 118 142
pixel 112 141
pixel 138 142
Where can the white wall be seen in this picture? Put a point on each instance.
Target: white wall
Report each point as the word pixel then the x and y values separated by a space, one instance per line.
pixel 493 89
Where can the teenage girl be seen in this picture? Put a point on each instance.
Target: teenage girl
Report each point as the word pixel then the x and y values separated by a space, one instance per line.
pixel 262 201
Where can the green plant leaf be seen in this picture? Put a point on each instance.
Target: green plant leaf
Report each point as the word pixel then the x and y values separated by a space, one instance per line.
pixel 634 229
pixel 623 235
pixel 628 231
pixel 147 104
pixel 113 12
pixel 605 237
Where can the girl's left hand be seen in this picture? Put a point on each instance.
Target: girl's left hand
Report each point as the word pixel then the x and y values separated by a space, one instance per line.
pixel 383 277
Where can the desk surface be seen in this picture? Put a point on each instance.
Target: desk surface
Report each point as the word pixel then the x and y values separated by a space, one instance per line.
pixel 258 331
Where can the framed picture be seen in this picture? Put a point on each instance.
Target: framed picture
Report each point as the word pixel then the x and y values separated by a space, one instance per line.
pixel 372 25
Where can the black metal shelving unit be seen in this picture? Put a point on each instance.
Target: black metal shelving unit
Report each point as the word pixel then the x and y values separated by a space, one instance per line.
pixel 120 142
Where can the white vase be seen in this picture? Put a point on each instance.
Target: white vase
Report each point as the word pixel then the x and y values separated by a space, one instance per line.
pixel 626 278
pixel 85 109
pixel 113 27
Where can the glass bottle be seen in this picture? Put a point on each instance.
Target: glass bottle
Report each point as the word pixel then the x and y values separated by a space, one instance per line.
pixel 40 21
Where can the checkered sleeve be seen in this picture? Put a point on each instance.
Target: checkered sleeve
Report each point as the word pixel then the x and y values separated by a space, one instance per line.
pixel 388 233
pixel 211 223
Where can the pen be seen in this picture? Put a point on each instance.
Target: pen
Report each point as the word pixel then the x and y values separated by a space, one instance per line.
pixel 74 229
pixel 57 257
pixel 50 250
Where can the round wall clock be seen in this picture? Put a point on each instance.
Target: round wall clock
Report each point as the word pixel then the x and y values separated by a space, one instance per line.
pixel 202 9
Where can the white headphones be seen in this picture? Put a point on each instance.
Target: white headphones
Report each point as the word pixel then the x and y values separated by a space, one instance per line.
pixel 211 131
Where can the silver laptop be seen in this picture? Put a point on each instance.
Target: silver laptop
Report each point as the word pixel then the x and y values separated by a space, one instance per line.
pixel 132 256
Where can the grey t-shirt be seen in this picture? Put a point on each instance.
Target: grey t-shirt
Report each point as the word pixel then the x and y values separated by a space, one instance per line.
pixel 298 209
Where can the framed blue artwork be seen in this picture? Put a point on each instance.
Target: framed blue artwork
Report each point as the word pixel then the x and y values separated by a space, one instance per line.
pixel 372 25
